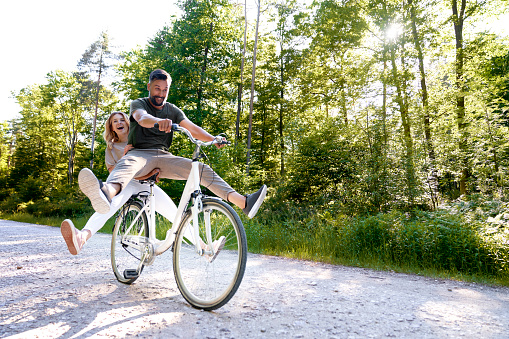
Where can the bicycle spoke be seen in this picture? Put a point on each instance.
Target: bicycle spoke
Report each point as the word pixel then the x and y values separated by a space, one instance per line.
pixel 205 283
pixel 128 242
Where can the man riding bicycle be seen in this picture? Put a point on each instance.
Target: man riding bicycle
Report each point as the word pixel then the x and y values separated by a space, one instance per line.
pixel 150 150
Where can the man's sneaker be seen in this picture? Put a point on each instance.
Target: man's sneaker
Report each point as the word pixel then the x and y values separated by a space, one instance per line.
pixel 91 186
pixel 217 245
pixel 254 201
pixel 72 237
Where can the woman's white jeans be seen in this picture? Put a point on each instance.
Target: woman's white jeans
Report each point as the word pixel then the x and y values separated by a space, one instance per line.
pixel 164 205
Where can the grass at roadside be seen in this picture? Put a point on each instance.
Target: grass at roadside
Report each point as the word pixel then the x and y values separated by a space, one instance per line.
pixel 455 243
pixel 79 222
pixel 325 248
pixel 448 244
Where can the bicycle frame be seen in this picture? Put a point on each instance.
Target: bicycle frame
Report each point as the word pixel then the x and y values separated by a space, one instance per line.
pixel 192 186
pixel 192 192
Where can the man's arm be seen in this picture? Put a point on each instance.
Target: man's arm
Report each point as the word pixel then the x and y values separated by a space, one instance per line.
pixel 198 133
pixel 146 120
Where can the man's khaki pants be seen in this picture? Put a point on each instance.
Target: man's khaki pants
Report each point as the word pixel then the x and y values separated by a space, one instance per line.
pixel 137 163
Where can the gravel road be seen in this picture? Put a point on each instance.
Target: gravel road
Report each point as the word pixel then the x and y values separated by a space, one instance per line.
pixel 47 293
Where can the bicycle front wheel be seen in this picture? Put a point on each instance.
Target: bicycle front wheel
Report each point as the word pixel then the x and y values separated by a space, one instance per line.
pixel 209 281
pixel 128 242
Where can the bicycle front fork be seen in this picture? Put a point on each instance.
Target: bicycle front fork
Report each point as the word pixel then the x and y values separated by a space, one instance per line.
pixel 196 209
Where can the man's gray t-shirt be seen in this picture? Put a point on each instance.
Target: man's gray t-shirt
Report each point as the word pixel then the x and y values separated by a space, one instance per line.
pixel 152 138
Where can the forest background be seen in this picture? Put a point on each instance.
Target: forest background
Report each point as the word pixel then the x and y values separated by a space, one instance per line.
pixel 381 127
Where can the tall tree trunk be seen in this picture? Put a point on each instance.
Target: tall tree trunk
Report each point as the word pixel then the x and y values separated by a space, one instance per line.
pixel 384 103
pixel 384 148
pixel 252 90
pixel 72 135
pixel 281 110
pixel 10 159
pixel 342 89
pixel 70 164
pixel 262 139
pixel 241 83
pixel 458 19
pixel 281 137
pixel 203 71
pixel 385 78
pixel 432 178
pixel 496 164
pixel 96 108
pixel 405 121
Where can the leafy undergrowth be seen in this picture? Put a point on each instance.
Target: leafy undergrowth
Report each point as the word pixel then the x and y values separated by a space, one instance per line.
pixel 463 240
pixel 466 241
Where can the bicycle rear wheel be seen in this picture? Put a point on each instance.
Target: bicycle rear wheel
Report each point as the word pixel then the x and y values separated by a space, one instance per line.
pixel 204 282
pixel 128 242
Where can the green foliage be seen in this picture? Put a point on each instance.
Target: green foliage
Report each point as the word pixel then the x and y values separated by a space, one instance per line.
pixel 326 160
pixel 338 124
pixel 198 51
pixel 32 188
pixel 335 165
pixel 435 241
pixel 440 241
pixel 34 197
pixel 134 69
pixel 5 144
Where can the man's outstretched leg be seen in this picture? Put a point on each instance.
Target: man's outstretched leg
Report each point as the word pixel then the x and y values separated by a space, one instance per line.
pixel 249 203
pixel 172 167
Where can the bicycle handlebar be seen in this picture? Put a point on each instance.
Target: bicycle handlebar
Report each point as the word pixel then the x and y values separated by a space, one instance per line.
pixel 217 139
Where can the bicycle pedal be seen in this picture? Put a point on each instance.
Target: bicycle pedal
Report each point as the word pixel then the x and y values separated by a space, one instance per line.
pixel 131 273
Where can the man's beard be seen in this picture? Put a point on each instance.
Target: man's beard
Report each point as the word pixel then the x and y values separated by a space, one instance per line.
pixel 153 101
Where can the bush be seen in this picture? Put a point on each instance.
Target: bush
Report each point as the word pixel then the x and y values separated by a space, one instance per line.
pixel 442 241
pixel 10 204
pixel 64 202
pixel 47 208
pixel 427 240
pixel 5 190
pixel 32 189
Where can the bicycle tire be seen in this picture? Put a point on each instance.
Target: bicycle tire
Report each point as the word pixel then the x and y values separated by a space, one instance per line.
pixel 127 243
pixel 209 285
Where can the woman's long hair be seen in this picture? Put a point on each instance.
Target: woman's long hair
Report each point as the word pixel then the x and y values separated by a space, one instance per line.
pixel 109 135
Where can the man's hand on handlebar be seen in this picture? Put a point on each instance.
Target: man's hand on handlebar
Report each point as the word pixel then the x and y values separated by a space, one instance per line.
pixel 164 125
pixel 222 142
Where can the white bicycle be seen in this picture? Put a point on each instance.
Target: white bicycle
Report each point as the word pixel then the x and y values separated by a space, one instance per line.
pixel 207 238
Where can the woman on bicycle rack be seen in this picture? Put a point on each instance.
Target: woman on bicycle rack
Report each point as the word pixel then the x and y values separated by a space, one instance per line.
pixel 115 134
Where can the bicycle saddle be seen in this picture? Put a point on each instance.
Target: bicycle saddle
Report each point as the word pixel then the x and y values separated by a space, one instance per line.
pixel 152 176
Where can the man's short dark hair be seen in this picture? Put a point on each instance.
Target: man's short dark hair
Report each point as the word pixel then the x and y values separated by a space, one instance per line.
pixel 159 74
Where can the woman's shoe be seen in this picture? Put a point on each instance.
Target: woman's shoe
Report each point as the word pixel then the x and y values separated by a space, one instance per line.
pixel 72 236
